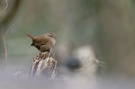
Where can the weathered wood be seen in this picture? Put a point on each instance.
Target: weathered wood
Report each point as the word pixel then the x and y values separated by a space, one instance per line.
pixel 43 65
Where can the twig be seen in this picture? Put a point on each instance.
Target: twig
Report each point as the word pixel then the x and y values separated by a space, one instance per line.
pixel 6 19
pixel 5 50
pixel 3 39
pixel 9 29
pixel 4 44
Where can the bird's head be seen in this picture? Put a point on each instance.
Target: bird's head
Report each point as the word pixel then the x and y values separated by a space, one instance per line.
pixel 51 34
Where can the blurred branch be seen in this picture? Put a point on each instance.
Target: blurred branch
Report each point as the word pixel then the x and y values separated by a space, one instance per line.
pixel 5 7
pixel 10 14
pixel 5 50
pixel 3 39
pixel 13 26
pixel 5 47
pixel 6 18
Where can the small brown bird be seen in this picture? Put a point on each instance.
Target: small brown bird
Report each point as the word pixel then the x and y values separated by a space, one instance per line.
pixel 44 42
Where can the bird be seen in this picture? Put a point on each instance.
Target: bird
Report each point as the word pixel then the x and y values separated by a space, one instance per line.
pixel 44 42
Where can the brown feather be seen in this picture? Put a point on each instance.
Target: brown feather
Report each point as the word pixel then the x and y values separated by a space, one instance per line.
pixel 31 36
pixel 43 42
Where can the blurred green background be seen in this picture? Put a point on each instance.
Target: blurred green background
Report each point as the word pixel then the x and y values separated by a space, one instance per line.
pixel 106 25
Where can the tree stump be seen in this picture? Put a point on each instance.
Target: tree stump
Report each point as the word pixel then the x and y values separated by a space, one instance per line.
pixel 44 66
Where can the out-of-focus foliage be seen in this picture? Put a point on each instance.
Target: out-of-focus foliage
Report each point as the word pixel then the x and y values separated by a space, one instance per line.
pixel 106 25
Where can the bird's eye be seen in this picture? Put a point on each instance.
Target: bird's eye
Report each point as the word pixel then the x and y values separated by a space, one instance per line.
pixel 50 35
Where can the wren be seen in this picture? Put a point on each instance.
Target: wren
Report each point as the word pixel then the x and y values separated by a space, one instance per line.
pixel 44 42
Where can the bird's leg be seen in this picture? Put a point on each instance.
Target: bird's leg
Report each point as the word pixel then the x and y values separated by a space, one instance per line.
pixel 50 52
pixel 42 48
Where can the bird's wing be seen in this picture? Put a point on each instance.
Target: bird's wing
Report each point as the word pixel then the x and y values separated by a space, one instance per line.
pixel 42 40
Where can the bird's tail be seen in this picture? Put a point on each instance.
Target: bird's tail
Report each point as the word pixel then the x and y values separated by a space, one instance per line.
pixel 31 36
